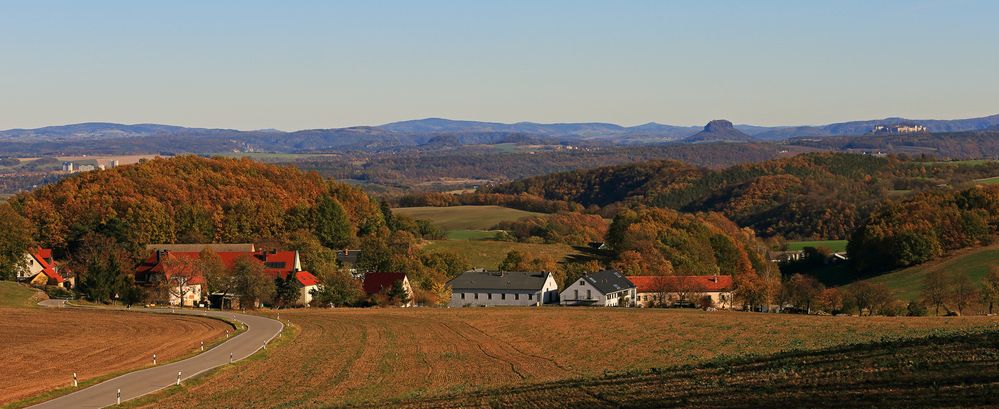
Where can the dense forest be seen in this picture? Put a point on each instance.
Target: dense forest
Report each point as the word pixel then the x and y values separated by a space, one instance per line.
pixel 817 195
pixel 923 227
pixel 476 165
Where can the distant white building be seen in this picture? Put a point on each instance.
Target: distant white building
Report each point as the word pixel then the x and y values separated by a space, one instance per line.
pixel 899 128
pixel 604 288
pixel 492 288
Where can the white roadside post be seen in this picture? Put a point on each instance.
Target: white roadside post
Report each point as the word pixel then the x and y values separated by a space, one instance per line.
pixel 178 378
pixel 230 357
pixel 154 359
pixel 202 346
pixel 119 396
pixel 75 384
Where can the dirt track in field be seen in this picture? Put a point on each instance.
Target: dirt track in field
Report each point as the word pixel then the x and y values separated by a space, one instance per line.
pixel 41 348
pixel 378 357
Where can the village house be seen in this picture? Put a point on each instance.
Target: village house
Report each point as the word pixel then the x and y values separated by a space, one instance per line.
pixel 607 288
pixel 667 291
pixel 489 288
pixel 165 264
pixel 42 270
pixel 376 283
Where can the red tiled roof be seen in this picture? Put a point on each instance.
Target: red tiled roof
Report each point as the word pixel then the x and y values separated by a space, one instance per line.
pixel 42 256
pixel 651 284
pixel 273 259
pixel 375 282
pixel 306 278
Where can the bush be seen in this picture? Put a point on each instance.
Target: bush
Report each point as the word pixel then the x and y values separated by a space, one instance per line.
pixel 916 309
pixel 54 291
pixel 896 308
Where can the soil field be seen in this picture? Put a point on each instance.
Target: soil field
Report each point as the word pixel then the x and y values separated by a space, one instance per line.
pixel 383 357
pixel 949 371
pixel 465 217
pixel 43 347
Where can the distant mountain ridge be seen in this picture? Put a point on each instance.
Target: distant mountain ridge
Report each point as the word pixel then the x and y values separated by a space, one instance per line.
pixel 433 131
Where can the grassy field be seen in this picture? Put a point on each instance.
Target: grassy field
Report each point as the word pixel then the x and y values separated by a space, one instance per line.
pixel 908 283
pixel 488 254
pixel 464 217
pixel 988 181
pixel 15 295
pixel 835 245
pixel 471 234
pixel 384 357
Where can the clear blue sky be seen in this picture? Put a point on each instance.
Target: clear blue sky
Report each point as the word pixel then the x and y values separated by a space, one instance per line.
pixel 298 64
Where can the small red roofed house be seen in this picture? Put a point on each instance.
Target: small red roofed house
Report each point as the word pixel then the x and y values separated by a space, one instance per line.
pixel 382 283
pixel 42 269
pixel 665 291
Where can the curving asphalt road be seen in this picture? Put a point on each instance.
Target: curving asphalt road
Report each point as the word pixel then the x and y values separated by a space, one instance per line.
pixel 260 330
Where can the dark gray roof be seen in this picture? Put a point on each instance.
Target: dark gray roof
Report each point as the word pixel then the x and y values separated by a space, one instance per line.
pixel 499 280
pixel 608 281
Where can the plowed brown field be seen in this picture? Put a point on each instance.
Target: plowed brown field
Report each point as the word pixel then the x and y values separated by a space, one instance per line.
pixel 41 348
pixel 379 357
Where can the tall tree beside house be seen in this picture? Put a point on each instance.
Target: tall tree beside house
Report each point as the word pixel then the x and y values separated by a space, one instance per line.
pixel 286 291
pixel 332 225
pixel 101 265
pixel 397 294
pixel 802 291
pixel 251 284
pixel 15 242
pixel 337 289
pixel 218 279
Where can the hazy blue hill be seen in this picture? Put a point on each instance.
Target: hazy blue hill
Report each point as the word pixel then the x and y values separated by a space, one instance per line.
pixel 719 130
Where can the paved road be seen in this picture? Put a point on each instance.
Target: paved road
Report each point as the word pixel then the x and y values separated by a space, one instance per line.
pixel 53 303
pixel 135 384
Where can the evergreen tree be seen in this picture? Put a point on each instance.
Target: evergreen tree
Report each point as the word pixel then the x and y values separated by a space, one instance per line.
pixel 332 225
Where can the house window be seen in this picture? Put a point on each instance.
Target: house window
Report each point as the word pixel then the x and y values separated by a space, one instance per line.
pixel 489 295
pixel 589 295
pixel 476 296
pixel 516 297
pixel 462 296
pixel 530 296
pixel 577 293
pixel 503 296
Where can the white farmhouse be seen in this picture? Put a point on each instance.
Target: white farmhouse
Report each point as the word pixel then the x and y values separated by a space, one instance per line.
pixel 481 288
pixel 605 288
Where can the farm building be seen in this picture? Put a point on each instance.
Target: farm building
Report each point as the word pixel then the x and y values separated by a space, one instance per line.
pixel 174 263
pixel 665 291
pixel 607 288
pixel 382 283
pixel 42 270
pixel 488 288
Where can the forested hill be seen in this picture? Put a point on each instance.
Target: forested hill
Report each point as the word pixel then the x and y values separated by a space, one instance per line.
pixel 820 195
pixel 189 199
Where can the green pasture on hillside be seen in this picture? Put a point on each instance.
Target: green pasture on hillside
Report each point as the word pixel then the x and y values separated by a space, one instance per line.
pixel 465 217
pixel 908 283
pixel 488 254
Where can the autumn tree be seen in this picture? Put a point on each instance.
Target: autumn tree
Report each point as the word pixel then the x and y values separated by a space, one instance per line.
pixel 15 242
pixel 990 288
pixel 802 291
pixel 869 296
pixel 936 289
pixel 963 291
pixel 250 282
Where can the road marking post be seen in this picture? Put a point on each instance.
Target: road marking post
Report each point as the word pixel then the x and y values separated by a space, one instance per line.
pixel 226 334
pixel 202 346
pixel 154 359
pixel 75 384
pixel 230 357
pixel 178 378
pixel 119 396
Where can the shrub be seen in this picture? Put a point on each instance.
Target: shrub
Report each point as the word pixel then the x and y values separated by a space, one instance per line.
pixel 916 309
